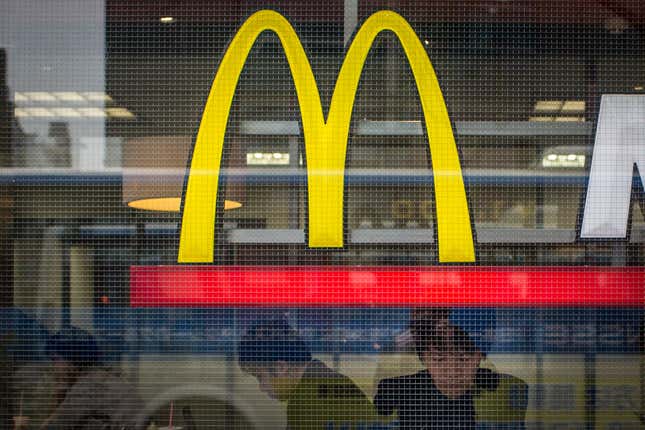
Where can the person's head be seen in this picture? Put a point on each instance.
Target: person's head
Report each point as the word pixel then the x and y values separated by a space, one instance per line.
pixel 423 321
pixel 276 355
pixel 450 355
pixel 73 351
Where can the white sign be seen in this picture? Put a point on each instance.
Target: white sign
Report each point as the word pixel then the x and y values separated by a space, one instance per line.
pixel 620 143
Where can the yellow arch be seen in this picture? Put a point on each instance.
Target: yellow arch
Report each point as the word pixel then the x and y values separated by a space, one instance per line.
pixel 325 141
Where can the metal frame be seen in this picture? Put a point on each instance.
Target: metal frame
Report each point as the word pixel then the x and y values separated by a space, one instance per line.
pixel 292 236
pixel 415 128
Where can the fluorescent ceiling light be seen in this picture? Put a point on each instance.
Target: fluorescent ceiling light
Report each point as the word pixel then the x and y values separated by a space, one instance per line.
pixel 566 161
pixel 166 19
pixel 68 96
pixel 573 106
pixel 66 112
pixel 565 156
pixel 92 112
pixel 38 112
pixel 639 88
pixel 119 113
pixel 97 96
pixel 548 106
pixel 40 96
pixel 62 96
pixel 570 119
pixel 541 118
pixel 267 159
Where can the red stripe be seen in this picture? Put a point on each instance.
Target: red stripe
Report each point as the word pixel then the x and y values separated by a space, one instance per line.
pixel 386 286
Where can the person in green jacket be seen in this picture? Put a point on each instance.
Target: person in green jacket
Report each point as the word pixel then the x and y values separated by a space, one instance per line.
pixel 316 396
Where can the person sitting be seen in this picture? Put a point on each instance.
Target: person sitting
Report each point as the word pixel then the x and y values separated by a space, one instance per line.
pixel 88 395
pixel 441 395
pixel 317 397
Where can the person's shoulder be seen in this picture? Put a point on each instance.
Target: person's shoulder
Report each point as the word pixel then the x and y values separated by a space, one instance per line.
pixel 486 379
pixel 319 373
pixel 329 384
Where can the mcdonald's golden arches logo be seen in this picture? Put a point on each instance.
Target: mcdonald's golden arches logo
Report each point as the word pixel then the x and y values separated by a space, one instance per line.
pixel 325 139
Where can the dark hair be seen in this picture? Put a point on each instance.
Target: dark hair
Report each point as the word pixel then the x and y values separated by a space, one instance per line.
pixel 75 346
pixel 272 341
pixel 440 335
pixel 423 324
pixel 454 339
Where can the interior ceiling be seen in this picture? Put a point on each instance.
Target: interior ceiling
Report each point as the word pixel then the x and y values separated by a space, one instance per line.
pixel 149 63
pixel 512 11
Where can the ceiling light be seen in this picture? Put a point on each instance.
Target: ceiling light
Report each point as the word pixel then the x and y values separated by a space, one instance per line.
pixel 167 204
pixel 565 156
pixel 19 97
pixel 40 96
pixel 541 118
pixel 548 106
pixel 267 159
pixel 568 161
pixel 570 119
pixel 38 112
pixel 20 113
pixel 172 204
pixel 66 112
pixel 69 96
pixel 119 113
pixel 166 19
pixel 162 187
pixel 573 106
pixel 231 204
pixel 92 112
pixel 97 96
pixel 427 42
pixel 639 88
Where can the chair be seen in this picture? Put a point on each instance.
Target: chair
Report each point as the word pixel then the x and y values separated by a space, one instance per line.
pixel 503 408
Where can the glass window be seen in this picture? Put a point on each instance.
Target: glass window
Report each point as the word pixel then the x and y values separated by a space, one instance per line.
pixel 399 214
